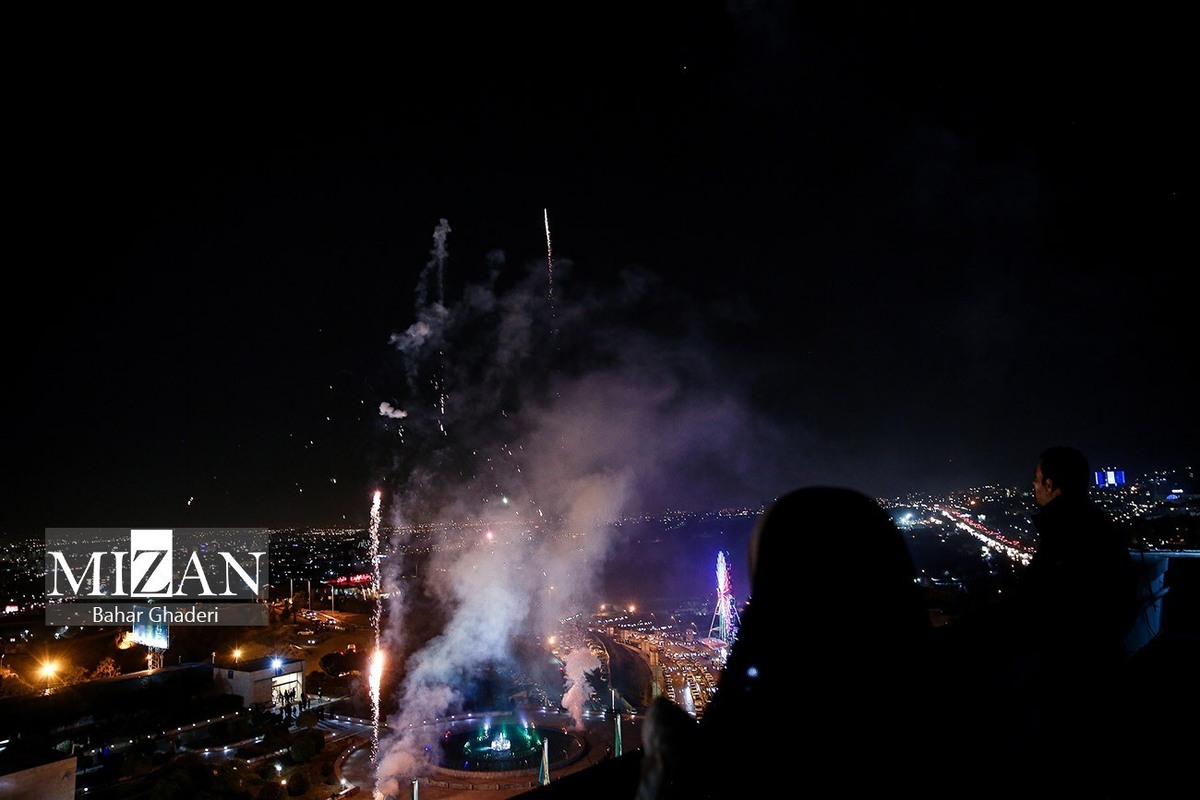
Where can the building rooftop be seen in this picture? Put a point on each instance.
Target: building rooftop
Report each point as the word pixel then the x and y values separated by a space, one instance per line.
pixel 260 664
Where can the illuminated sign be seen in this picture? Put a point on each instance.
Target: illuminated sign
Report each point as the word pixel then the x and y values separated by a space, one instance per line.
pixel 352 580
pixel 149 633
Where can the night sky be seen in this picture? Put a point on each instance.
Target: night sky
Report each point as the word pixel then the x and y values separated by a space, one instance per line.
pixel 899 247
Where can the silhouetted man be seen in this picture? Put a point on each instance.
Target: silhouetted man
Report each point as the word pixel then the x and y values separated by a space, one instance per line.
pixel 1082 576
pixel 1077 601
pixel 1056 641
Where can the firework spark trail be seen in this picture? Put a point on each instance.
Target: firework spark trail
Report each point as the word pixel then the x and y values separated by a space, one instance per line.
pixel 376 674
pixel 376 680
pixel 439 382
pixel 515 466
pixel 437 265
pixel 440 255
pixel 549 262
pixel 376 503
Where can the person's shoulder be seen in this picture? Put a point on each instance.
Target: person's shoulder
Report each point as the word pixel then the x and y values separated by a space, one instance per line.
pixel 1099 518
pixel 1077 511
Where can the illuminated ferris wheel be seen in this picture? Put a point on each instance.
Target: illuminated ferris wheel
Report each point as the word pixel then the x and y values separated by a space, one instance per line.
pixel 725 619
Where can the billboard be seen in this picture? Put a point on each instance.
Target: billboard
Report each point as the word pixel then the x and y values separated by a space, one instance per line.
pixel 149 633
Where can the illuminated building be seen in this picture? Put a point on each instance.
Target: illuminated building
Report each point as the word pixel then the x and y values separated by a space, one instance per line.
pixel 268 681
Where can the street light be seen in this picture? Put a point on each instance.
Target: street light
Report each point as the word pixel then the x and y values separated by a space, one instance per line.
pixel 48 671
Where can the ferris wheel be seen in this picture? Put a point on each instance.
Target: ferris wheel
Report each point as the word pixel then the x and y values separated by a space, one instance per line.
pixel 725 619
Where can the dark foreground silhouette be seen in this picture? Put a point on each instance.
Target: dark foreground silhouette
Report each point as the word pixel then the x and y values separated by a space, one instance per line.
pixel 838 678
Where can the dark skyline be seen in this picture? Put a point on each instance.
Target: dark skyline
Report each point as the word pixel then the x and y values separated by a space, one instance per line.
pixel 899 248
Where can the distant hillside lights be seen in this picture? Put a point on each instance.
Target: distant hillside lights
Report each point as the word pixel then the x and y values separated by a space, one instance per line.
pixel 1172 486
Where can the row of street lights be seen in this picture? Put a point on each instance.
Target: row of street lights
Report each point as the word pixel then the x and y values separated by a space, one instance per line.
pixel 50 668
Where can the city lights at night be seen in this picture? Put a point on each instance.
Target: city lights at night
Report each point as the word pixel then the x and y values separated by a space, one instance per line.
pixel 302 285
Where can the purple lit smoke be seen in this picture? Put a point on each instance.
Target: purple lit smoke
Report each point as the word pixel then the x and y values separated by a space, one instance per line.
pixel 546 440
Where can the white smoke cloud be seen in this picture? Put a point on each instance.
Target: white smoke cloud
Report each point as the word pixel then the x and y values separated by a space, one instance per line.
pixel 545 432
pixel 577 664
pixel 388 410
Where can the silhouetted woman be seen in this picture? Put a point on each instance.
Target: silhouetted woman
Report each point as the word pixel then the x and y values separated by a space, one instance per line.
pixel 827 679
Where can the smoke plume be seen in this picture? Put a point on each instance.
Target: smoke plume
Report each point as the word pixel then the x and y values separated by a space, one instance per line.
pixel 531 431
pixel 579 662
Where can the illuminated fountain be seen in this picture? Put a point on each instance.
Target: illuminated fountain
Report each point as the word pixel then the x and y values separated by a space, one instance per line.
pixel 508 745
pixel 505 743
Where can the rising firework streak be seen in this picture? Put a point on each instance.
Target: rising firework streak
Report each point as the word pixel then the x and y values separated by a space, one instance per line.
pixel 549 267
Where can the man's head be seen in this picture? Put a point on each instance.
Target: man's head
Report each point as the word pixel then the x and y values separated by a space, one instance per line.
pixel 1060 471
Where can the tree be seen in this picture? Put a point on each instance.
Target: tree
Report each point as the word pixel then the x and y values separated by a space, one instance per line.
pixel 277 736
pixel 302 749
pixel 337 664
pixel 230 776
pixel 107 668
pixel 270 791
pixel 11 684
pixel 298 784
pixel 71 675
pixel 317 736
